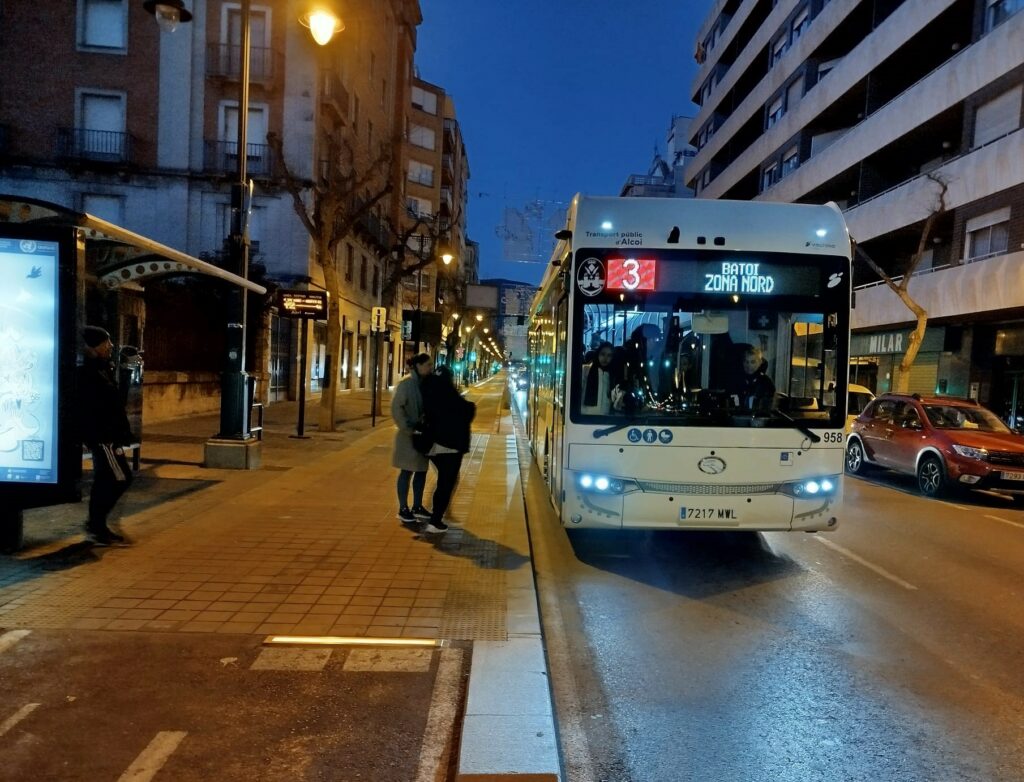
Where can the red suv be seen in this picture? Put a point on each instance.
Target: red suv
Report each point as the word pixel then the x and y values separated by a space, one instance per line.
pixel 945 442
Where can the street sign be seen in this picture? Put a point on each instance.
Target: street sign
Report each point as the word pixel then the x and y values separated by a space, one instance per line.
pixel 379 319
pixel 302 304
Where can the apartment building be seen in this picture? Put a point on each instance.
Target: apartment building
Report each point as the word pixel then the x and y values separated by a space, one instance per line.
pixel 665 177
pixel 138 127
pixel 865 103
pixel 435 197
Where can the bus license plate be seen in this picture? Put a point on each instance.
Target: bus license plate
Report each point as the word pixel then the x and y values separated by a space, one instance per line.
pixel 711 514
pixel 1013 476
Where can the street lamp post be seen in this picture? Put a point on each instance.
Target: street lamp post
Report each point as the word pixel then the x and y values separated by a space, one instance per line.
pixel 235 395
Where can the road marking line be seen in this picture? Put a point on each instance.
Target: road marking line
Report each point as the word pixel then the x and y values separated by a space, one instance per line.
pixel 10 638
pixel 153 757
pixel 860 560
pixel 1005 521
pixel 17 717
pixel 961 507
pixel 441 717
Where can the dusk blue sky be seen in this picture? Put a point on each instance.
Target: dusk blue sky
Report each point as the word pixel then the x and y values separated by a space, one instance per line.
pixel 556 97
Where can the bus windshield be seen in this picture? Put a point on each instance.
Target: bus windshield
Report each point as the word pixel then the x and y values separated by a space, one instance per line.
pixel 710 339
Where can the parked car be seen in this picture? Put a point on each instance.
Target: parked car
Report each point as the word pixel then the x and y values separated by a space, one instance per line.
pixel 944 442
pixel 858 397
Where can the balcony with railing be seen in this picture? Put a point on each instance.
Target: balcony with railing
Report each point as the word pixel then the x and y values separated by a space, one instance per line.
pixel 447 201
pixel 224 60
pixel 450 128
pixel 447 168
pixel 334 95
pixel 98 146
pixel 221 157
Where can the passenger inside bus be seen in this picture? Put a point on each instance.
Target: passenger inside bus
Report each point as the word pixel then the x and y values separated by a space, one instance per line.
pixel 601 378
pixel 754 390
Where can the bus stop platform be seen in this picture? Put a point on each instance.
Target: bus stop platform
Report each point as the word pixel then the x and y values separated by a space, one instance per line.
pixel 308 551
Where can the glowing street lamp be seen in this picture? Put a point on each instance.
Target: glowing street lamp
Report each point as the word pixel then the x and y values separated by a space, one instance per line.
pixel 322 24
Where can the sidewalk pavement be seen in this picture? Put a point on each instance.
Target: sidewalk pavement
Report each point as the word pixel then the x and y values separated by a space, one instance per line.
pixel 309 545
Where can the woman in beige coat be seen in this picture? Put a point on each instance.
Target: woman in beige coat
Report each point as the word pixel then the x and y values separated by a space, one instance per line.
pixel 407 411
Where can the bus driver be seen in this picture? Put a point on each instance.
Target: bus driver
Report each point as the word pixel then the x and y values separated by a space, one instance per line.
pixel 755 390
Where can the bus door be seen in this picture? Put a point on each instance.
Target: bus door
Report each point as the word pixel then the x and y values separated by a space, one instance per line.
pixel 558 409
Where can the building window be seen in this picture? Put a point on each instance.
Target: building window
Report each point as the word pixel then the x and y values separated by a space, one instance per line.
pixel 421 136
pixel 998 11
pixel 362 274
pixel 103 24
pixel 997 117
pixel 988 234
pixel 424 101
pixel 421 173
pixel 775 111
pixel 260 54
pixel 801 23
pixel 825 68
pixel 790 161
pixel 419 207
pixel 770 176
pixel 100 126
pixel 778 49
pixel 350 263
pixel 376 280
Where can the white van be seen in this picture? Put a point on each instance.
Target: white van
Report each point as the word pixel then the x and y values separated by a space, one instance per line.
pixel 858 398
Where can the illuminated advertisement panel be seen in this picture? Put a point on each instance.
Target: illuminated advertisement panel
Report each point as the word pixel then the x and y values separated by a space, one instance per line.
pixel 29 293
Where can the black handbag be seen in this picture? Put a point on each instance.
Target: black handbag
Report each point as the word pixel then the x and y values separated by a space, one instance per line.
pixel 422 442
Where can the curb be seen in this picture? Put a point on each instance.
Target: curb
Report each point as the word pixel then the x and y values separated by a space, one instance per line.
pixel 508 728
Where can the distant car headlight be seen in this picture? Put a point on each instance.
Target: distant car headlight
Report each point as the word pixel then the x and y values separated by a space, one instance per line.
pixel 971 453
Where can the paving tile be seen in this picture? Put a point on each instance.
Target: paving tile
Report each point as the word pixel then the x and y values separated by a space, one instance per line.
pixel 214 616
pixel 397 601
pixel 276 628
pixel 227 605
pixel 393 611
pixel 239 627
pixel 121 602
pixel 349 628
pixel 88 623
pixel 205 594
pixel 197 605
pixel 141 613
pixel 416 631
pixel 360 600
pixel 250 616
pixel 103 613
pixel 125 624
pixel 361 611
pixel 173 594
pixel 201 627
pixel 179 615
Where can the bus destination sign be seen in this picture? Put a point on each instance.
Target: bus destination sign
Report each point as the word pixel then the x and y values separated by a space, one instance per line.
pixel 302 304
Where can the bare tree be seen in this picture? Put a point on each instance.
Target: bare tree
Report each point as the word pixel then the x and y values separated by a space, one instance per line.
pixel 330 209
pixel 899 287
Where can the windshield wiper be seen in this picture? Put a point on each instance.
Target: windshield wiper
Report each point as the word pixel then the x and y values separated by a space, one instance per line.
pixel 811 435
pixel 598 433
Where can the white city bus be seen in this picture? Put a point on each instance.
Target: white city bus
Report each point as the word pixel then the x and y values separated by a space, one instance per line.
pixel 677 296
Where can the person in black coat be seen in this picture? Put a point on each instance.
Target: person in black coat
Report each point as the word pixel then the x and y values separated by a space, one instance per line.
pixel 104 429
pixel 448 417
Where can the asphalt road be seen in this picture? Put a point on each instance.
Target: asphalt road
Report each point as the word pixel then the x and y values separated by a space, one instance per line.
pixel 888 650
pixel 134 706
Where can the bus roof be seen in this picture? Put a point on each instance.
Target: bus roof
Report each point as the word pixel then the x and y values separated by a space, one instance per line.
pixel 737 225
pixel 702 224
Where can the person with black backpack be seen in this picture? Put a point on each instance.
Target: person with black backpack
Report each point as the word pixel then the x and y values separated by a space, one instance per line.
pixel 447 420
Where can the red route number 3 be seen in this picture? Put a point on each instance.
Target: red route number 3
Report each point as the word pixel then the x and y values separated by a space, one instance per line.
pixel 631 274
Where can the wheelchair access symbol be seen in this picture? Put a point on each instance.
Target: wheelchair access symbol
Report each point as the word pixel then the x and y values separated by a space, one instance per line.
pixel 634 435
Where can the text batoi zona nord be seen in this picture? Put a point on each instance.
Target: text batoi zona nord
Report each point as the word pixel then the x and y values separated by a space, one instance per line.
pixel 739 278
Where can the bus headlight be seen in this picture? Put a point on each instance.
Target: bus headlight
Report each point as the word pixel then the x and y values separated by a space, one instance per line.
pixel 810 488
pixel 604 484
